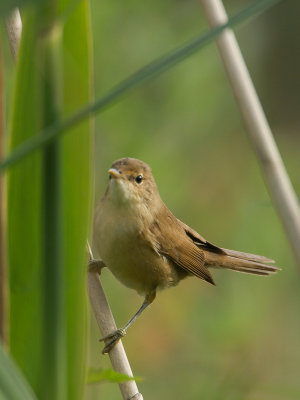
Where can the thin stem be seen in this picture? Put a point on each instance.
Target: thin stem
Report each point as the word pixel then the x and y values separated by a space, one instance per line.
pixel 106 323
pixel 3 279
pixel 13 26
pixel 276 177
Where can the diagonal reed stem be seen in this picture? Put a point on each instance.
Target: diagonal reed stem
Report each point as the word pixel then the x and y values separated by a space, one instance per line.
pixel 106 323
pixel 259 131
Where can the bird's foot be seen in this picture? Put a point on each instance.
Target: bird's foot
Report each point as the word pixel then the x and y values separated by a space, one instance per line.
pixel 112 339
pixel 96 266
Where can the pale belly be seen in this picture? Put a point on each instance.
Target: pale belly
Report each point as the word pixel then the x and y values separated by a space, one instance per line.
pixel 131 258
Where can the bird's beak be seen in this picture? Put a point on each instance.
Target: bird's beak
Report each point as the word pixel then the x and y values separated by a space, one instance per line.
pixel 114 173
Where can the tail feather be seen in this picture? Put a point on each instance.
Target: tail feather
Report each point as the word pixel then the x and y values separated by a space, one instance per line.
pixel 248 256
pixel 241 262
pixel 252 271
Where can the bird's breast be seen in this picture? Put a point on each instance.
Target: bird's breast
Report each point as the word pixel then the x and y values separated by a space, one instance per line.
pixel 125 245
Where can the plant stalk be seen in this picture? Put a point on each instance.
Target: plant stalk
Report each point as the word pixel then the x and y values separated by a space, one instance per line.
pixel 106 323
pixel 276 177
pixel 3 280
pixel 13 26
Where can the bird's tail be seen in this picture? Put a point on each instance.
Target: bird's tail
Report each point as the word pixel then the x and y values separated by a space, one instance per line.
pixel 241 262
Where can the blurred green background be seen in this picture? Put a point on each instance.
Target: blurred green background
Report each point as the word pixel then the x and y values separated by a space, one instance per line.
pixel 240 339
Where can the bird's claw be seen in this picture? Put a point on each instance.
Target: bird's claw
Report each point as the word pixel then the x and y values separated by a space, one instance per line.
pixel 96 266
pixel 112 339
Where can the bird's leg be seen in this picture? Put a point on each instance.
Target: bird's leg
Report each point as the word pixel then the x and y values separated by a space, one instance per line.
pixel 112 339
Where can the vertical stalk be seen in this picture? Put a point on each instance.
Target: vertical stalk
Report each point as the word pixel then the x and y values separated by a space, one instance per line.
pixel 13 26
pixel 2 263
pixel 76 185
pixel 49 229
pixel 24 215
pixel 54 335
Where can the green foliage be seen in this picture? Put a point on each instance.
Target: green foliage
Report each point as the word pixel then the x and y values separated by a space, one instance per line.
pixel 108 375
pixel 76 183
pixel 49 203
pixel 12 384
pixel 24 217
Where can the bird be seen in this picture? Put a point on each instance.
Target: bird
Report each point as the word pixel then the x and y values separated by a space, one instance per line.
pixel 147 248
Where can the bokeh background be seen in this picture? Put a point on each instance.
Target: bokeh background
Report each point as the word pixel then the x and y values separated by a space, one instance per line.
pixel 240 339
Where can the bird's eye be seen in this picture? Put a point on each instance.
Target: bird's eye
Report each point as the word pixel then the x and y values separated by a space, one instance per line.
pixel 139 179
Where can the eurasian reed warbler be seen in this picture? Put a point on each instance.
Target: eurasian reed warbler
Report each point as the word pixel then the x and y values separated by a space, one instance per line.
pixel 147 248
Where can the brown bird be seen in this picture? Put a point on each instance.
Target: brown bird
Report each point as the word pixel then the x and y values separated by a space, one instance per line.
pixel 147 248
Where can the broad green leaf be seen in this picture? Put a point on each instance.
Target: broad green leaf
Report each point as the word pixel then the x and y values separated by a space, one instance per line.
pixel 12 384
pixel 54 385
pixel 24 207
pixel 108 375
pixel 49 204
pixel 76 180
pixel 146 73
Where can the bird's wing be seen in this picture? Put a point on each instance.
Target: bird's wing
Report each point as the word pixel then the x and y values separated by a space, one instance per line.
pixel 231 259
pixel 199 240
pixel 174 243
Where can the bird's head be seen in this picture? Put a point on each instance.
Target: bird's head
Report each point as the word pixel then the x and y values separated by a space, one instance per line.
pixel 131 182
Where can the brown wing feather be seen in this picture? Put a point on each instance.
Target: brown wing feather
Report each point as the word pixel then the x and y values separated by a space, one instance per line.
pixel 183 252
pixel 230 259
pixel 199 240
